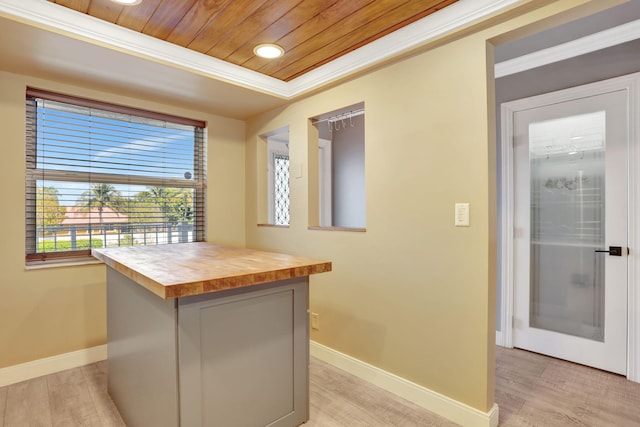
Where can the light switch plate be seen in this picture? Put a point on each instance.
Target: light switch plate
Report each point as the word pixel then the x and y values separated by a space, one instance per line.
pixel 297 170
pixel 462 215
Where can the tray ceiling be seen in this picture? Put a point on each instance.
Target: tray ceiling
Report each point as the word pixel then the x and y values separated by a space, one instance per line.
pixel 312 32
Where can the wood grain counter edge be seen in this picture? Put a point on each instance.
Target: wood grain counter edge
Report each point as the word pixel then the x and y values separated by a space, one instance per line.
pixel 199 287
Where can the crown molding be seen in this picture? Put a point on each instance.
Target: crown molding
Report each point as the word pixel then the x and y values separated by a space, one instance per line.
pixel 52 17
pixel 62 20
pixel 429 28
pixel 587 44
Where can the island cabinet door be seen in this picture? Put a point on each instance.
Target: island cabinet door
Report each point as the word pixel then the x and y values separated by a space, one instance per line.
pixel 244 356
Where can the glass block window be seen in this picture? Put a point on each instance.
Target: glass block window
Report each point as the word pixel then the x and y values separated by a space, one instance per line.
pixel 281 188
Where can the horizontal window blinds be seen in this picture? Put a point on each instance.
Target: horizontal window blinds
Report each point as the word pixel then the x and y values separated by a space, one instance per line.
pixel 102 175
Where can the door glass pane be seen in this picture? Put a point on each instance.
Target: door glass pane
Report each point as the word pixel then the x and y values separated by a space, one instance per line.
pixel 567 160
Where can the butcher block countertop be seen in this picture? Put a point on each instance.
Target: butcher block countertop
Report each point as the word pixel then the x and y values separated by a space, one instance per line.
pixel 185 269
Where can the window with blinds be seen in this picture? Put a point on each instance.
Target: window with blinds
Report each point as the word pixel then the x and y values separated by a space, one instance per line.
pixel 101 175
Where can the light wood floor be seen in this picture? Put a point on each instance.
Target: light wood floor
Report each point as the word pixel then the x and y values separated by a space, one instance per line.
pixel 534 390
pixel 339 399
pixel 531 390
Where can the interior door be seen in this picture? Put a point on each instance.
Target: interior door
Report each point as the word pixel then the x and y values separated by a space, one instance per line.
pixel 570 230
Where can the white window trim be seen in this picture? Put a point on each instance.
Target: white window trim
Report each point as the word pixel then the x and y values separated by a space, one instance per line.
pixel 325 182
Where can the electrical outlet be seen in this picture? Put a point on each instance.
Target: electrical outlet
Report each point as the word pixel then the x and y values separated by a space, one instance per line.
pixel 315 321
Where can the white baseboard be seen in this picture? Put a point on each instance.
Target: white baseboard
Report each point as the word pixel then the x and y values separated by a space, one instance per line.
pixel 435 402
pixel 428 399
pixel 49 365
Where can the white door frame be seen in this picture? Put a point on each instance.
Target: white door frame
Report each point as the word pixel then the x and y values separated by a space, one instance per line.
pixel 629 83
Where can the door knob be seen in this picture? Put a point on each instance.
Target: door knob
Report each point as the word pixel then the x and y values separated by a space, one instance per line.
pixel 613 251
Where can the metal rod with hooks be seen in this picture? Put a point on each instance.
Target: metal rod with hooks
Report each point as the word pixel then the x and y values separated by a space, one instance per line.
pixel 339 121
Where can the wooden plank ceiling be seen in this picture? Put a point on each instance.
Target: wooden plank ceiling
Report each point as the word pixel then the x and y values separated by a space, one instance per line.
pixel 312 32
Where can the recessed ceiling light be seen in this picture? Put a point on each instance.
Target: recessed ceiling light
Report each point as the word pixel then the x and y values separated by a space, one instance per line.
pixel 268 50
pixel 127 2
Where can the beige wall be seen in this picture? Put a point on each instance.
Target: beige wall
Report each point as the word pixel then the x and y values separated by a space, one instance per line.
pixel 52 311
pixel 414 295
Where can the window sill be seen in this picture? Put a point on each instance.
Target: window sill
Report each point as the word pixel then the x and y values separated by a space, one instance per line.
pixel 356 230
pixel 39 265
pixel 273 225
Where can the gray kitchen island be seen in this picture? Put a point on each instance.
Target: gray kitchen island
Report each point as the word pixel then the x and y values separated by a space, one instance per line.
pixel 208 335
